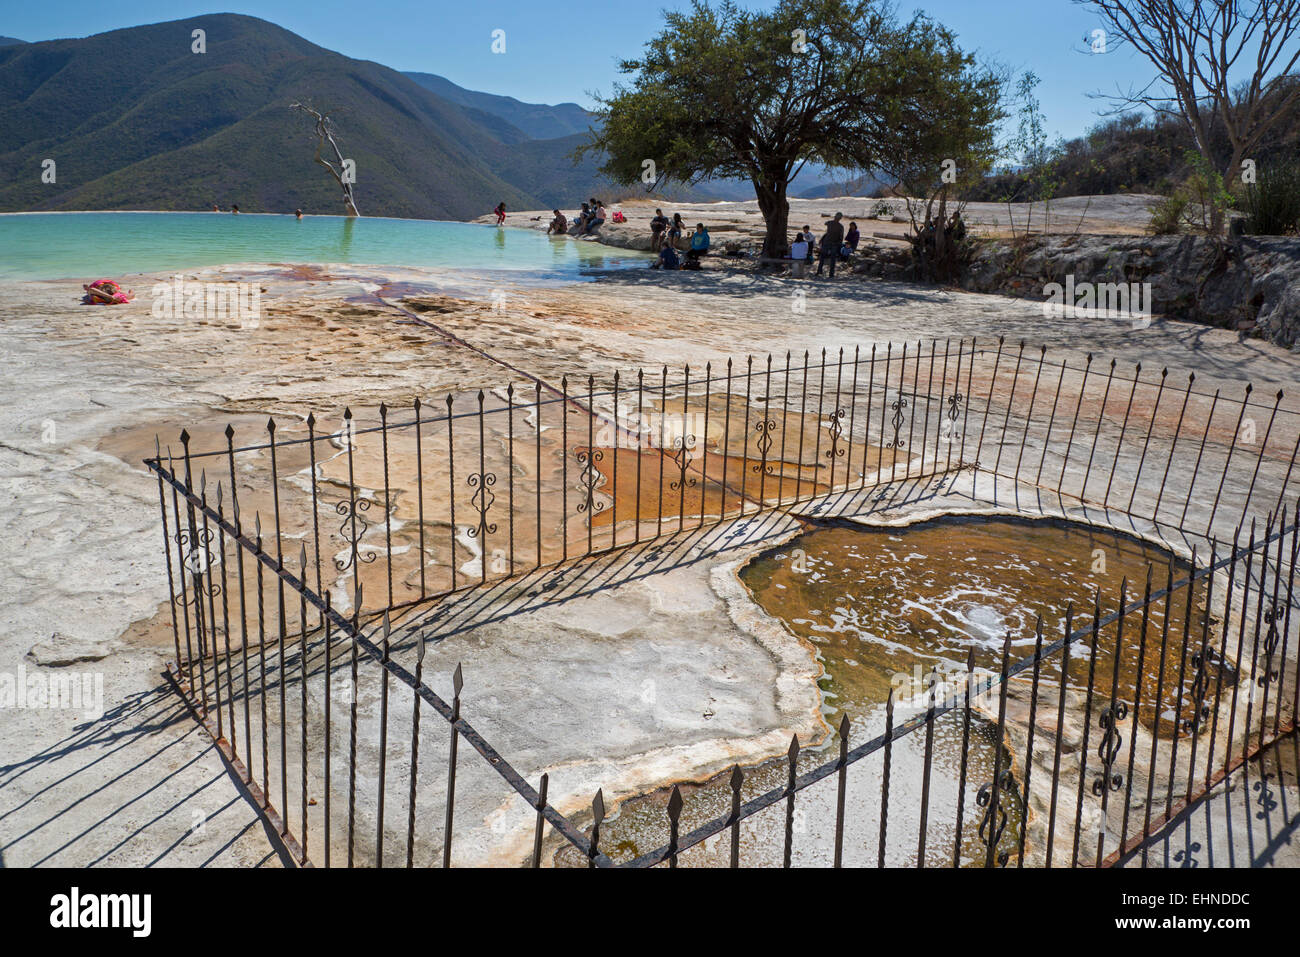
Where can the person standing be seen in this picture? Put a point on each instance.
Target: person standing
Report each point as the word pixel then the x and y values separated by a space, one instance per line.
pixel 829 247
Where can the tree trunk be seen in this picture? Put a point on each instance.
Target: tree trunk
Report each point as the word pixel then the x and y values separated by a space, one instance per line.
pixel 774 206
pixel 941 232
pixel 1230 176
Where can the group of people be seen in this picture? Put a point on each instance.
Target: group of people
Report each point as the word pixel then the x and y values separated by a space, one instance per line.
pixel 954 228
pixel 591 218
pixel 667 236
pixel 234 208
pixel 835 244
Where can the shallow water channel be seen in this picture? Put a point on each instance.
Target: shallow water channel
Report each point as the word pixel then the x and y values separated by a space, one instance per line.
pixel 884 605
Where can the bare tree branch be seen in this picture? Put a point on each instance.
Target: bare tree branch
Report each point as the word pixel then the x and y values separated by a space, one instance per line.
pixel 1197 48
pixel 325 134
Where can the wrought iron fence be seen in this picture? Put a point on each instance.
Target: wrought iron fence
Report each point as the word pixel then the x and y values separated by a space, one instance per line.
pixel 523 489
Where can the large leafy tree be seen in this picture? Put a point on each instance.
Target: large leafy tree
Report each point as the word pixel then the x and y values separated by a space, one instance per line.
pixel 725 92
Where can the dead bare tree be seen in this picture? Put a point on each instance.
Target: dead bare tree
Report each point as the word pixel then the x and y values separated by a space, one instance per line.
pixel 325 134
pixel 1202 51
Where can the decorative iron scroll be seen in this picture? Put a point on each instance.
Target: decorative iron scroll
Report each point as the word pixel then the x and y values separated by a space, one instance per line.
pixel 994 820
pixel 1111 743
pixel 197 560
pixel 351 510
pixel 682 460
pixel 591 478
pixel 1184 857
pixel 651 555
pixel 764 429
pixel 836 430
pixel 1267 802
pixel 898 405
pixel 954 410
pixel 1202 661
pixel 1270 645
pixel 482 500
pixel 553 582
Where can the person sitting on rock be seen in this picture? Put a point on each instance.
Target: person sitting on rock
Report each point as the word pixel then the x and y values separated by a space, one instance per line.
pixel 668 258
pixel 675 229
pixel 699 243
pixel 597 219
pixel 658 226
pixel 851 240
pixel 807 236
pixel 559 225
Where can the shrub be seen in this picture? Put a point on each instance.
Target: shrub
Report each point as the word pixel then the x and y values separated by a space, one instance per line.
pixel 1273 201
pixel 1167 215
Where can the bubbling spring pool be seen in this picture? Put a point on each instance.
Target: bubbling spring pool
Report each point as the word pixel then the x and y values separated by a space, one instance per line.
pixel 878 603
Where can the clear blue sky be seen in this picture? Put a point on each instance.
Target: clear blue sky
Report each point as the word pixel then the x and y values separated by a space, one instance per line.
pixel 565 50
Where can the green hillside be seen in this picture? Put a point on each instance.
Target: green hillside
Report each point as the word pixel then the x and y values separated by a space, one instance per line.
pixel 135 120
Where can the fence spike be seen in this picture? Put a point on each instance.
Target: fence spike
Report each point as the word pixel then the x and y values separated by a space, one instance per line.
pixel 674 804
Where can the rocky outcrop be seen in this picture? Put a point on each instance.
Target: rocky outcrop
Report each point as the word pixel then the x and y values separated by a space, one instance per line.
pixel 1249 283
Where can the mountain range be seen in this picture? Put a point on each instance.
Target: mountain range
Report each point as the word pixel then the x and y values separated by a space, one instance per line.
pixel 184 130
pixel 136 119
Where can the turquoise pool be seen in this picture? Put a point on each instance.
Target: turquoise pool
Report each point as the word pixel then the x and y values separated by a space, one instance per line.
pixel 92 245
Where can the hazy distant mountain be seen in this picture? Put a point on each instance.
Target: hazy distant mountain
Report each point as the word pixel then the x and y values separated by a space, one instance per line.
pixel 10 41
pixel 828 185
pixel 134 120
pixel 538 120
